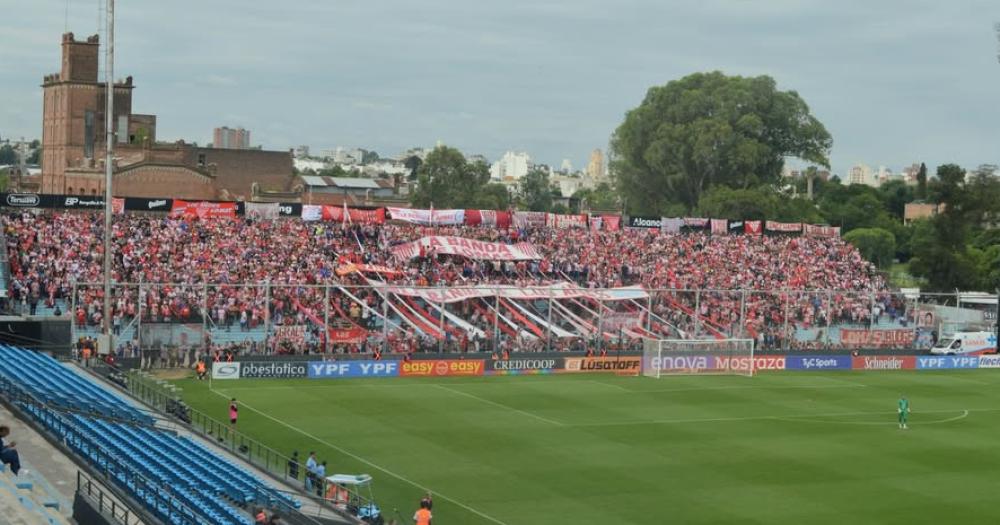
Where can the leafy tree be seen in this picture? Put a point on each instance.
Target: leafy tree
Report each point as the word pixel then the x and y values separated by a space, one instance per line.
pixel 721 202
pixel 412 163
pixel 492 196
pixel 896 195
pixel 710 129
pixel 369 156
pixel 446 180
pixel 954 249
pixel 536 191
pixel 8 155
pixel 334 171
pixel 921 192
pixel 601 197
pixel 875 244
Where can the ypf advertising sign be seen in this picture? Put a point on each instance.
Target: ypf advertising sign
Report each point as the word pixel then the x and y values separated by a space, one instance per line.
pixel 345 369
pixel 442 367
pixel 928 362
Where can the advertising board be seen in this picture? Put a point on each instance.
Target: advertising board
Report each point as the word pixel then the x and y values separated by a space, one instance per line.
pixel 884 362
pixel 273 369
pixel 442 367
pixel 342 369
pixel 820 362
pixel 989 361
pixel 933 362
pixel 523 366
pixel 603 364
pixel 222 370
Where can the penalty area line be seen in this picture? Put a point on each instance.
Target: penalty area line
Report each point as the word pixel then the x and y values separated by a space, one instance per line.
pixel 369 463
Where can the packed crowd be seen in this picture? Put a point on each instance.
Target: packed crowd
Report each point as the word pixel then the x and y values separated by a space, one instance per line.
pixel 239 275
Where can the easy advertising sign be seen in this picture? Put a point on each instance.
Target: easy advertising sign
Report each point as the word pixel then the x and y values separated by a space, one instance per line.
pixel 442 367
pixel 345 369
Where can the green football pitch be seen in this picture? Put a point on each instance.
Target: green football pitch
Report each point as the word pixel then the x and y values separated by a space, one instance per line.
pixel 804 447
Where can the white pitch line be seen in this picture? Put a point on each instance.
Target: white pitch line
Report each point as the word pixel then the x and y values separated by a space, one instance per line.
pixel 762 418
pixel 500 405
pixel 369 463
pixel 963 415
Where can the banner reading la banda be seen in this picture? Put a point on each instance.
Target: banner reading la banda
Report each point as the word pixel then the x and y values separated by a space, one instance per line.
pixel 470 248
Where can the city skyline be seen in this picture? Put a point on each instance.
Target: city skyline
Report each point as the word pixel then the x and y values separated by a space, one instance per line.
pixel 924 88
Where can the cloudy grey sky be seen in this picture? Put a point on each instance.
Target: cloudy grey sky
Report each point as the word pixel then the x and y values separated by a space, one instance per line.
pixel 895 81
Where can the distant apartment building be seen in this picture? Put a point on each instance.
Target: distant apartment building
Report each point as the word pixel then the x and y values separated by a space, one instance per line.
pixel 910 174
pixel 595 168
pixel 861 174
pixel 231 138
pixel 511 167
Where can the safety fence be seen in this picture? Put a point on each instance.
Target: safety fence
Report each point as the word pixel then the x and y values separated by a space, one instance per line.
pixel 165 319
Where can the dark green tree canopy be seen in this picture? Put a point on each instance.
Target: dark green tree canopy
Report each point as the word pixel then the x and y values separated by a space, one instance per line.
pixel 711 129
pixel 446 180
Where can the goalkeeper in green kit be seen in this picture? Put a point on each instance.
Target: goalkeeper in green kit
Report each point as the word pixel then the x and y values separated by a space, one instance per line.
pixel 904 411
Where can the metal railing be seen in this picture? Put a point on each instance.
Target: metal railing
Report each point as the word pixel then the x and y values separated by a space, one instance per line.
pixel 169 400
pixel 102 500
pixel 332 317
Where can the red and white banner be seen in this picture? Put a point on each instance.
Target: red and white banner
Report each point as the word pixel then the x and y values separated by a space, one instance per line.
pixel 614 321
pixel 695 222
pixel 473 249
pixel 554 220
pixel 821 231
pixel 294 334
pixel 347 335
pixel 430 217
pixel 876 338
pixel 612 223
pixel 752 227
pixel 529 219
pixel 203 210
pixel 720 227
pixel 555 291
pixel 773 226
pixel 354 215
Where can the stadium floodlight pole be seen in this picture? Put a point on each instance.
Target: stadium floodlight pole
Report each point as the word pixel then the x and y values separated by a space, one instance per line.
pixel 109 122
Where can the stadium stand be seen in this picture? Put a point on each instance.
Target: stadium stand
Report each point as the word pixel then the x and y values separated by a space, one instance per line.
pixel 779 289
pixel 27 499
pixel 177 478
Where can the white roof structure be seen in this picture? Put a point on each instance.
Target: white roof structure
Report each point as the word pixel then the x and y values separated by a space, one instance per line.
pixel 349 479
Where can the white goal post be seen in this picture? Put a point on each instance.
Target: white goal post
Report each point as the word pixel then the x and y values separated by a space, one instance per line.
pixel 697 357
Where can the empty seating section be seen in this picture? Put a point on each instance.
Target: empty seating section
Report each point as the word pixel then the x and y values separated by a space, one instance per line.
pixel 177 478
pixel 47 380
pixel 23 501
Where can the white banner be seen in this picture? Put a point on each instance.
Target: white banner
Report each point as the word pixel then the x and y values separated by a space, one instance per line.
pixel 435 217
pixel 261 210
pixel 473 249
pixel 312 212
pixel 554 220
pixel 555 291
pixel 223 370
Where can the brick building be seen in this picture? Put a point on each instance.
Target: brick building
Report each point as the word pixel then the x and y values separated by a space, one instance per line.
pixel 73 144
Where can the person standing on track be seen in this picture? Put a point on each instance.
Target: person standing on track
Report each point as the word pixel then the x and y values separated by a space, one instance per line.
pixel 904 411
pixel 233 413
pixel 423 515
